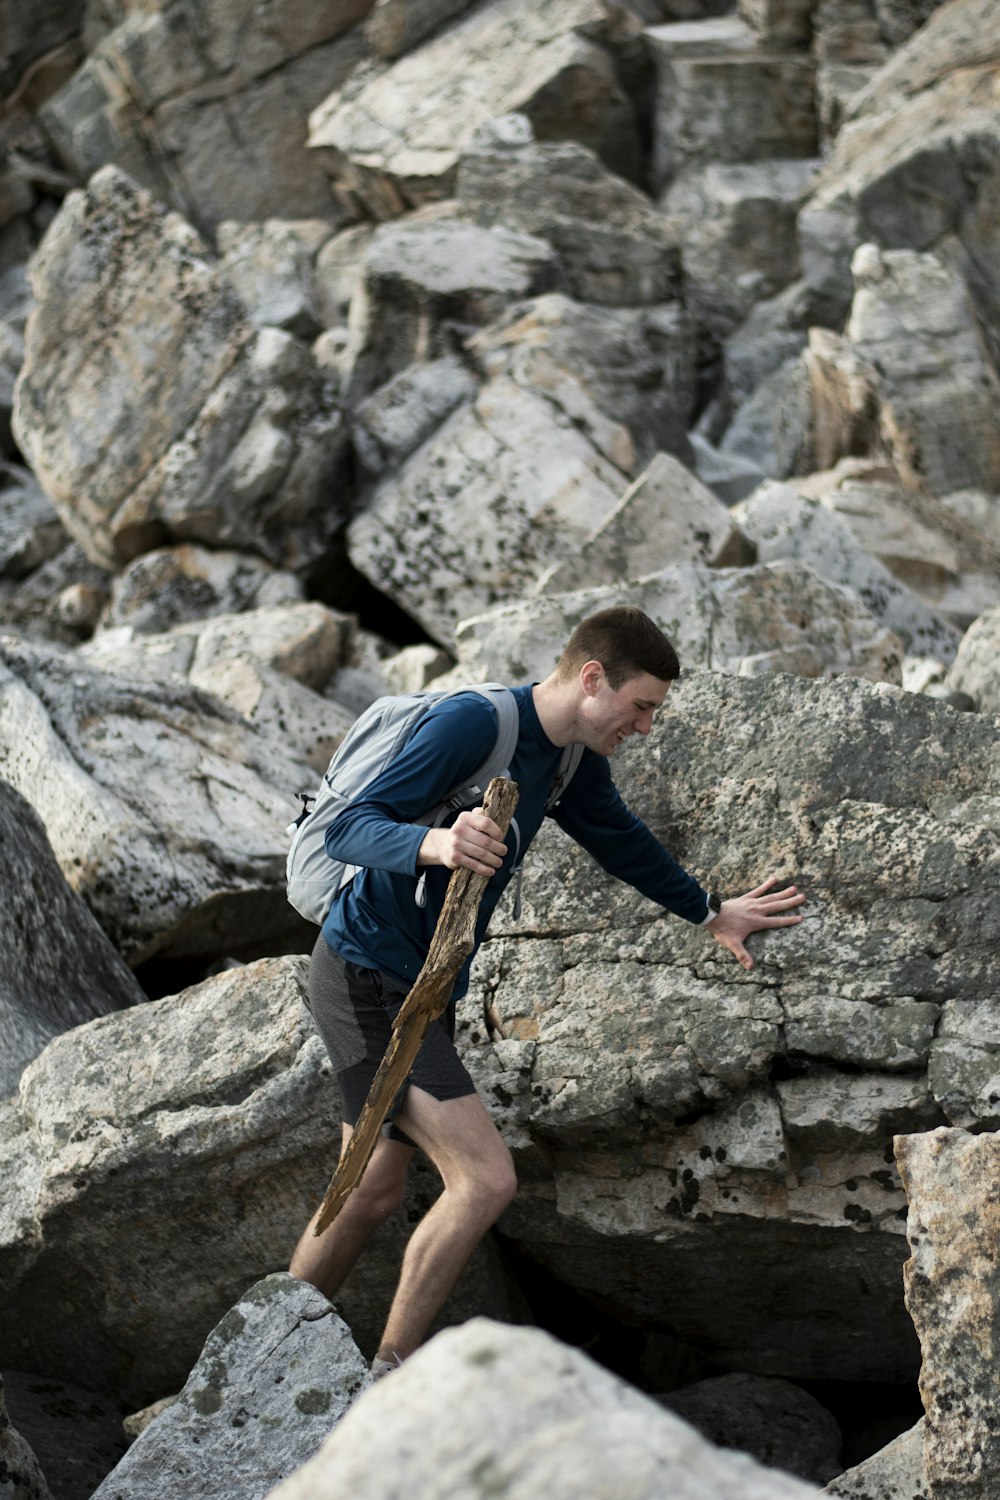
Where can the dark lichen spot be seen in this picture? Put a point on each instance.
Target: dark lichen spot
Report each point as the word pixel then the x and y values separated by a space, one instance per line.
pixel 313 1402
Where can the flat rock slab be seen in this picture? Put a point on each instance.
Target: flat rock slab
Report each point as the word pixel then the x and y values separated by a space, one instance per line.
pixel 165 810
pixel 542 1419
pixel 275 1376
pixel 57 967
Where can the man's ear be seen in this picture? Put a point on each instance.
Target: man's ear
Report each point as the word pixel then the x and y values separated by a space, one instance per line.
pixel 591 677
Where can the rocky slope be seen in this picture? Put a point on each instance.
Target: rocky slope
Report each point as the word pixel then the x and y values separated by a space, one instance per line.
pixel 347 348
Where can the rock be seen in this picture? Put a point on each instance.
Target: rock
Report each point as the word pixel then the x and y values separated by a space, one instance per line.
pixel 75 1433
pixel 951 1293
pixel 171 585
pixel 937 391
pixel 57 968
pixel 271 267
pixel 613 246
pixel 30 531
pixel 974 670
pixel 666 516
pixel 773 430
pixel 778 1423
pixel 722 97
pixel 20 1474
pixel 60 601
pixel 772 332
pixel 783 524
pixel 424 277
pixel 209 112
pixel 528 487
pixel 667 1165
pixel 307 642
pixel 394 421
pixel 635 365
pixel 948 561
pixel 165 811
pixel 157 1162
pixel 735 225
pixel 11 359
pixel 149 410
pixel 306 725
pixel 275 1376
pixel 896 1472
pixel 391 138
pixel 397 26
pixel 339 268
pixel 727 475
pixel 747 620
pixel 927 116
pixel 414 668
pixel 549 1420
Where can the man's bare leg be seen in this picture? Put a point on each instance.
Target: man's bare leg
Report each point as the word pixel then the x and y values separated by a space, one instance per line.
pixel 326 1260
pixel 479 1182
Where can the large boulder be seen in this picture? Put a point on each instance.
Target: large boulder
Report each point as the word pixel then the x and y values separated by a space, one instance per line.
pixel 708 1150
pixel 778 1423
pixel 166 812
pixel 538 1418
pixel 155 1163
pixel 614 246
pixel 149 409
pixel 275 1376
pixel 392 135
pixel 57 968
pixel 208 109
pixel 953 1294
pixel 928 117
pixel 895 1472
pixel 775 618
pixel 784 524
pixel 169 585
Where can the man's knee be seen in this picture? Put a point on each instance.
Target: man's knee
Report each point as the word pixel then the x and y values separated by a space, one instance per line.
pixel 379 1193
pixel 493 1184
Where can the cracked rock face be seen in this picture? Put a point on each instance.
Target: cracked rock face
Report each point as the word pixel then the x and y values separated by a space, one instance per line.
pixel 711 1150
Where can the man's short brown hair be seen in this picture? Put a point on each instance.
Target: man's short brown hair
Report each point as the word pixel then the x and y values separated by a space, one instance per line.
pixel 625 642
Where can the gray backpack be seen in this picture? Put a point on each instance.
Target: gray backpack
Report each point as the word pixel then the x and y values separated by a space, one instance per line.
pixel 371 744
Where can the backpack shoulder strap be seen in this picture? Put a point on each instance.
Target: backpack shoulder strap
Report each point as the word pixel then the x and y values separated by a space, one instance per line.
pixel 566 770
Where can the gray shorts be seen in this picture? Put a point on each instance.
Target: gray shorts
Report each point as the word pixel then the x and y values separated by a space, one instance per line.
pixel 354 1009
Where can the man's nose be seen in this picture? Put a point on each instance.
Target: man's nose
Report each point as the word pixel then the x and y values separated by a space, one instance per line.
pixel 644 723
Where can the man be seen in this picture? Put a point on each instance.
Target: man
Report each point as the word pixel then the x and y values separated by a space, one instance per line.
pixel 609 682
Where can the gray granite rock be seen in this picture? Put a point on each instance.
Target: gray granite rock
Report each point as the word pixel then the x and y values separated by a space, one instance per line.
pixel 271 265
pixel 539 1417
pixel 896 1472
pixel 778 1423
pixel 276 1375
pixel 57 968
pixel 170 585
pixel 155 1163
pixel 164 808
pixel 707 1149
pixel 392 135
pixel 613 245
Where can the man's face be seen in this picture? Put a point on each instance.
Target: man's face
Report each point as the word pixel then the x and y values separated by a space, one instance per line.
pixel 613 714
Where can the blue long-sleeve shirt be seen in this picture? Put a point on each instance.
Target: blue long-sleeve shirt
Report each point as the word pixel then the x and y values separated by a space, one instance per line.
pixel 376 922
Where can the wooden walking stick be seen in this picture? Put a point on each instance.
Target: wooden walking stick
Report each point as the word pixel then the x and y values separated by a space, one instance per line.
pixel 451 944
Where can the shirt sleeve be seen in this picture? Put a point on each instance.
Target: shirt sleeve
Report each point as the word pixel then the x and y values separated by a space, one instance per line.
pixel 593 813
pixel 379 829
